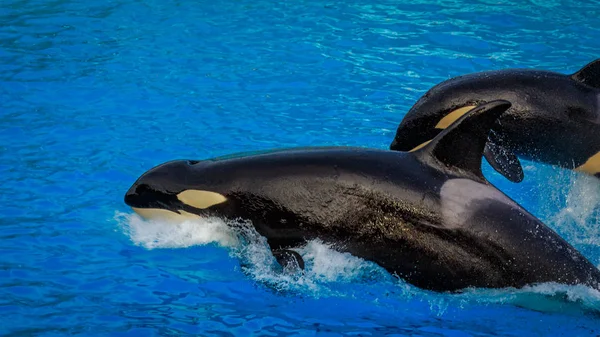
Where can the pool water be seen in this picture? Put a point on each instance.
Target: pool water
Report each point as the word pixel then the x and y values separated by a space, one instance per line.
pixel 94 93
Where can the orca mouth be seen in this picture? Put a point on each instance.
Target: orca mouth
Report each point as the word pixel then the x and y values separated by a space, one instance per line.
pixel 145 200
pixel 166 215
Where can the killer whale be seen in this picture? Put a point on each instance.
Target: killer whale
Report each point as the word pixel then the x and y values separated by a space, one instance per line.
pixel 428 216
pixel 554 118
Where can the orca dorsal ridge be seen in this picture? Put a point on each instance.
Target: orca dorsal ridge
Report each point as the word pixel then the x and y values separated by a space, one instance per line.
pixel 589 74
pixel 460 147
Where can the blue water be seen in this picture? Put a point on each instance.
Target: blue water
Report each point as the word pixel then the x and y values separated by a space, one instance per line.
pixel 93 93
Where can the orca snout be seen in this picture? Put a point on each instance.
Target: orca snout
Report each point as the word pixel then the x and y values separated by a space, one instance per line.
pixel 142 195
pixel 131 196
pixel 158 186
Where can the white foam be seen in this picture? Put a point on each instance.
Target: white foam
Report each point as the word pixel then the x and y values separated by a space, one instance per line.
pixel 329 265
pixel 546 297
pixel 323 264
pixel 161 234
pixel 326 269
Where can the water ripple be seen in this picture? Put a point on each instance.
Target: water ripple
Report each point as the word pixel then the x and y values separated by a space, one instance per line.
pixel 95 93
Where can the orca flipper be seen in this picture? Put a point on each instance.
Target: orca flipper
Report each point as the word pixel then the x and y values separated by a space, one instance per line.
pixel 288 259
pixel 503 160
pixel 459 148
pixel 589 74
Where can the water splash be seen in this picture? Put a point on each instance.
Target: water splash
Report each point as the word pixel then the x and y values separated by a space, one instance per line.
pixel 545 297
pixel 330 273
pixel 324 266
pixel 569 203
pixel 326 269
pixel 325 274
pixel 579 209
pixel 152 234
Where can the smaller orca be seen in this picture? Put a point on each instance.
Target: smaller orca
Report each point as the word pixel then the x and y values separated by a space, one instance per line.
pixel 554 118
pixel 428 216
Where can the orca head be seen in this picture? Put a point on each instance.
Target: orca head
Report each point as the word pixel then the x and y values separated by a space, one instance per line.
pixel 175 191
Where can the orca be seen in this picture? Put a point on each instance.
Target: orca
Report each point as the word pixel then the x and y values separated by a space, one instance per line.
pixel 554 118
pixel 428 216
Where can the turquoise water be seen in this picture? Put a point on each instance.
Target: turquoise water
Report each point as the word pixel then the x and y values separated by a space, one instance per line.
pixel 96 92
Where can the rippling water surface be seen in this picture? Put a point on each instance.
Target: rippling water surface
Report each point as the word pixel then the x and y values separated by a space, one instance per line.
pixel 94 93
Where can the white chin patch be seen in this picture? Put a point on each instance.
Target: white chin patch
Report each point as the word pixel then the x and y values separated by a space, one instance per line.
pixel 165 215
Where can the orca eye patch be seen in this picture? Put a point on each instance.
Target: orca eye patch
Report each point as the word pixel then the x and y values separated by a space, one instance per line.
pixel 201 199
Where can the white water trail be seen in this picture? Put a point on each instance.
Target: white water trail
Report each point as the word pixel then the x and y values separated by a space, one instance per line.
pixel 323 264
pixel 152 234
pixel 545 297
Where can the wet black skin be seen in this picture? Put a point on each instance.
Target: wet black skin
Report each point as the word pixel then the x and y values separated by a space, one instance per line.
pixel 399 210
pixel 554 118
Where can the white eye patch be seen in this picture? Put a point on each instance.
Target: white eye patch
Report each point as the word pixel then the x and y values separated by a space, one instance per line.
pixel 201 199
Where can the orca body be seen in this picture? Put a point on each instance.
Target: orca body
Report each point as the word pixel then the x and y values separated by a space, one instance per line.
pixel 428 216
pixel 554 118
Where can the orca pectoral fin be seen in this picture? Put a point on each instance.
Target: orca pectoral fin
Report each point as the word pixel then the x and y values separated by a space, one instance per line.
pixel 288 259
pixel 503 160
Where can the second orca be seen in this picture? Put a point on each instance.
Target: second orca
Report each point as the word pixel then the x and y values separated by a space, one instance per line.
pixel 554 118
